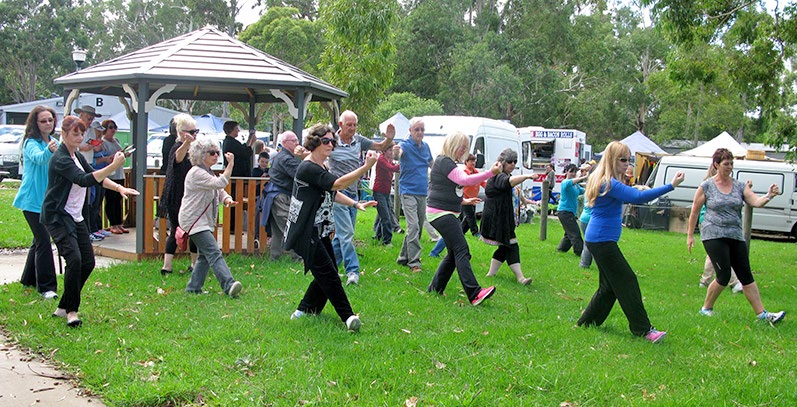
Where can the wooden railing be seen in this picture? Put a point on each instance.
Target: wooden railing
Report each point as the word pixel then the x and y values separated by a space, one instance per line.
pixel 247 192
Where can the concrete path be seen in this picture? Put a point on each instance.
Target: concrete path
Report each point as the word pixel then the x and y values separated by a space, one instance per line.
pixel 26 379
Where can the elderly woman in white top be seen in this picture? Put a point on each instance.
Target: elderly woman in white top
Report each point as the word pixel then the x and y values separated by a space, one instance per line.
pixel 204 191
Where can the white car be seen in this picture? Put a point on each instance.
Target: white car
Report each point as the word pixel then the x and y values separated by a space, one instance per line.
pixel 10 148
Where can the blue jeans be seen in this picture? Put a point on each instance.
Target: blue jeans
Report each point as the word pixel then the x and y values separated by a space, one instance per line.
pixel 343 244
pixel 209 257
pixel 384 218
pixel 438 248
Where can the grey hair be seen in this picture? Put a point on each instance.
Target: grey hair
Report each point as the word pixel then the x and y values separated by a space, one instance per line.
pixel 507 155
pixel 415 120
pixel 199 147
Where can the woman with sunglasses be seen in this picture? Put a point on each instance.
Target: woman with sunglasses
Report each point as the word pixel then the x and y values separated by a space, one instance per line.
pixel 310 224
pixel 65 211
pixel 113 200
pixel 174 187
pixel 199 210
pixel 498 217
pixel 37 149
pixel 606 193
pixel 568 206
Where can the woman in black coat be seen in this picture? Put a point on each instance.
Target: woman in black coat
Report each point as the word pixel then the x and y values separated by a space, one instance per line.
pixel 498 217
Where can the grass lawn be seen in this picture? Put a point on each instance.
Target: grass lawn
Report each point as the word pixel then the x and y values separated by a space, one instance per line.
pixel 146 343
pixel 15 230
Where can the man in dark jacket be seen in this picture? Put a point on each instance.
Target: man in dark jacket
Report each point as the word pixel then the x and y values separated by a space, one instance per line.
pixel 242 164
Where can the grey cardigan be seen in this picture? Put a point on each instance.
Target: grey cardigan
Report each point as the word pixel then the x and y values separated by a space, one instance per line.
pixel 202 187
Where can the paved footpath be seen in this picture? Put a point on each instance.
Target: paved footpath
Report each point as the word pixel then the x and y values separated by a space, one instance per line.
pixel 26 379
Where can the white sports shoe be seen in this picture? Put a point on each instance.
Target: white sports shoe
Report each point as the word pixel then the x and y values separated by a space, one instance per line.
pixel 49 295
pixel 737 288
pixel 353 323
pixel 352 278
pixel 297 314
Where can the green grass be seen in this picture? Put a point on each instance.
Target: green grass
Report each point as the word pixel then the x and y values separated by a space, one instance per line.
pixel 15 230
pixel 146 343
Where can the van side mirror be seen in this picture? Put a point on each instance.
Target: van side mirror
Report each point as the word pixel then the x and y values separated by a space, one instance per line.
pixel 479 160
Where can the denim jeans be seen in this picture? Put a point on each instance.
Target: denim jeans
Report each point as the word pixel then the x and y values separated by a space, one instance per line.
pixel 384 218
pixel 415 213
pixel 39 268
pixel 586 256
pixel 438 248
pixel 209 257
pixel 77 251
pixel 343 244
pixel 616 283
pixel 458 257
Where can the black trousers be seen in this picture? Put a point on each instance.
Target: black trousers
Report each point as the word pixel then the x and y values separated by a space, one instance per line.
pixel 572 237
pixel 468 218
pixel 76 249
pixel 39 268
pixel 457 256
pixel 326 285
pixel 113 205
pixel 95 209
pixel 726 254
pixel 617 283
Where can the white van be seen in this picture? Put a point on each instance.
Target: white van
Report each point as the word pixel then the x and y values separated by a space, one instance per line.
pixel 778 216
pixel 488 137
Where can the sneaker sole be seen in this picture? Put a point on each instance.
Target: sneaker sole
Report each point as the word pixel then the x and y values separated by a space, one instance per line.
pixel 355 325
pixel 235 289
pixel 481 300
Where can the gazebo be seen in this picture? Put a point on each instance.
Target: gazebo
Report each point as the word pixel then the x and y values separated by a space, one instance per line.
pixel 205 64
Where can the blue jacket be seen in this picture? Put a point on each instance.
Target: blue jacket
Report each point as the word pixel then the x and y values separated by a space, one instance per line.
pixel 36 162
pixel 607 213
pixel 414 173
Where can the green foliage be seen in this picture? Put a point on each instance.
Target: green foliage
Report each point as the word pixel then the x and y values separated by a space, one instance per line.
pixel 408 104
pixel 360 55
pixel 283 33
pixel 147 343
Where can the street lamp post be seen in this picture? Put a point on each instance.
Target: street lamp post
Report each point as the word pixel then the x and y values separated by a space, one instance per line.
pixel 79 56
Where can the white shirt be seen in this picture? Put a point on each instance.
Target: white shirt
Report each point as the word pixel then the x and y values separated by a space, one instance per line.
pixel 77 197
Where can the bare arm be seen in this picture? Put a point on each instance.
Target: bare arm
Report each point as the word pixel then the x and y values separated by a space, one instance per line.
pixel 756 201
pixel 694 214
pixel 352 177
pixel 118 161
pixel 517 179
pixel 179 155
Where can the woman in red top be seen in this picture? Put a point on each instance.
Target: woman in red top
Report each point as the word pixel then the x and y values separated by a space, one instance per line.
pixel 382 184
pixel 468 216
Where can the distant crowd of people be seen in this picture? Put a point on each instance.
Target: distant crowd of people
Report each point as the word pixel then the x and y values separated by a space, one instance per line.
pixel 310 198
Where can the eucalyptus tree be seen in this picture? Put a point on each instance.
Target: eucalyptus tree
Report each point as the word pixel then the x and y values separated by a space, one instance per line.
pixel 360 53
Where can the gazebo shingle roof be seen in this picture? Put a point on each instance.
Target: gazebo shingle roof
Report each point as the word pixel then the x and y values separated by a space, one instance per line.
pixel 205 65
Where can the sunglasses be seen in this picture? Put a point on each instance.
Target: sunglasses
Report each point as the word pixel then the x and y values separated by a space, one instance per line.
pixel 328 141
pixel 192 132
pixel 512 162
pixel 624 160
pixel 214 152
pixel 112 127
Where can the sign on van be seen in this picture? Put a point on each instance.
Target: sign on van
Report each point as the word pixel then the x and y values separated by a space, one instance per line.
pixel 553 134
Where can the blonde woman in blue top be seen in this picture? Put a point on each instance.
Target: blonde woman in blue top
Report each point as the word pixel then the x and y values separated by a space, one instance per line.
pixel 606 193
pixel 37 148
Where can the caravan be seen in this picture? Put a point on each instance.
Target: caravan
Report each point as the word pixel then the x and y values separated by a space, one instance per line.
pixel 560 147
pixel 778 216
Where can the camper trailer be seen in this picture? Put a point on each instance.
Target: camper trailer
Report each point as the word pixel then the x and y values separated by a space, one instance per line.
pixel 778 216
pixel 560 147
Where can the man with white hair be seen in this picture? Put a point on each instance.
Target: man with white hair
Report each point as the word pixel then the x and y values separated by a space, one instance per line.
pixel 416 159
pixel 277 199
pixel 344 159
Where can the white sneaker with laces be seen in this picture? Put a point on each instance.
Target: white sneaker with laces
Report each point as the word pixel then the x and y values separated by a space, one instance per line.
pixel 772 317
pixel 235 288
pixel 49 295
pixel 353 323
pixel 352 278
pixel 297 314
pixel 737 288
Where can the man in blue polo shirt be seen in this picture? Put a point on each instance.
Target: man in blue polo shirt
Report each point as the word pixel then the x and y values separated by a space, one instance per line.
pixel 416 158
pixel 344 159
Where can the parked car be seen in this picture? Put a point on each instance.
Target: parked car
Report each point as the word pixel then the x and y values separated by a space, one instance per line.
pixel 10 149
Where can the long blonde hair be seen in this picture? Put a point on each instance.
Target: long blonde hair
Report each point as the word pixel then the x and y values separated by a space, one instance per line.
pixel 605 171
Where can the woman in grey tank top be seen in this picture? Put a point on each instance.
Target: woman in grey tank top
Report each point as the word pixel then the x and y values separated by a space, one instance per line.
pixel 721 233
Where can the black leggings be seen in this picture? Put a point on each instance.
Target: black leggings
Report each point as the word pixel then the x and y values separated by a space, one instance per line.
pixel 726 254
pixel 509 254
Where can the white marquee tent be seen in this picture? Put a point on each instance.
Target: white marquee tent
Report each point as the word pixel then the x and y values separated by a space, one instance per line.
pixel 724 140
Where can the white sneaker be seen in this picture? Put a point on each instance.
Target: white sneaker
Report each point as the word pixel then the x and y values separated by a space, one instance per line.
pixel 772 317
pixel 737 288
pixel 709 312
pixel 49 295
pixel 297 314
pixel 353 323
pixel 235 288
pixel 352 278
